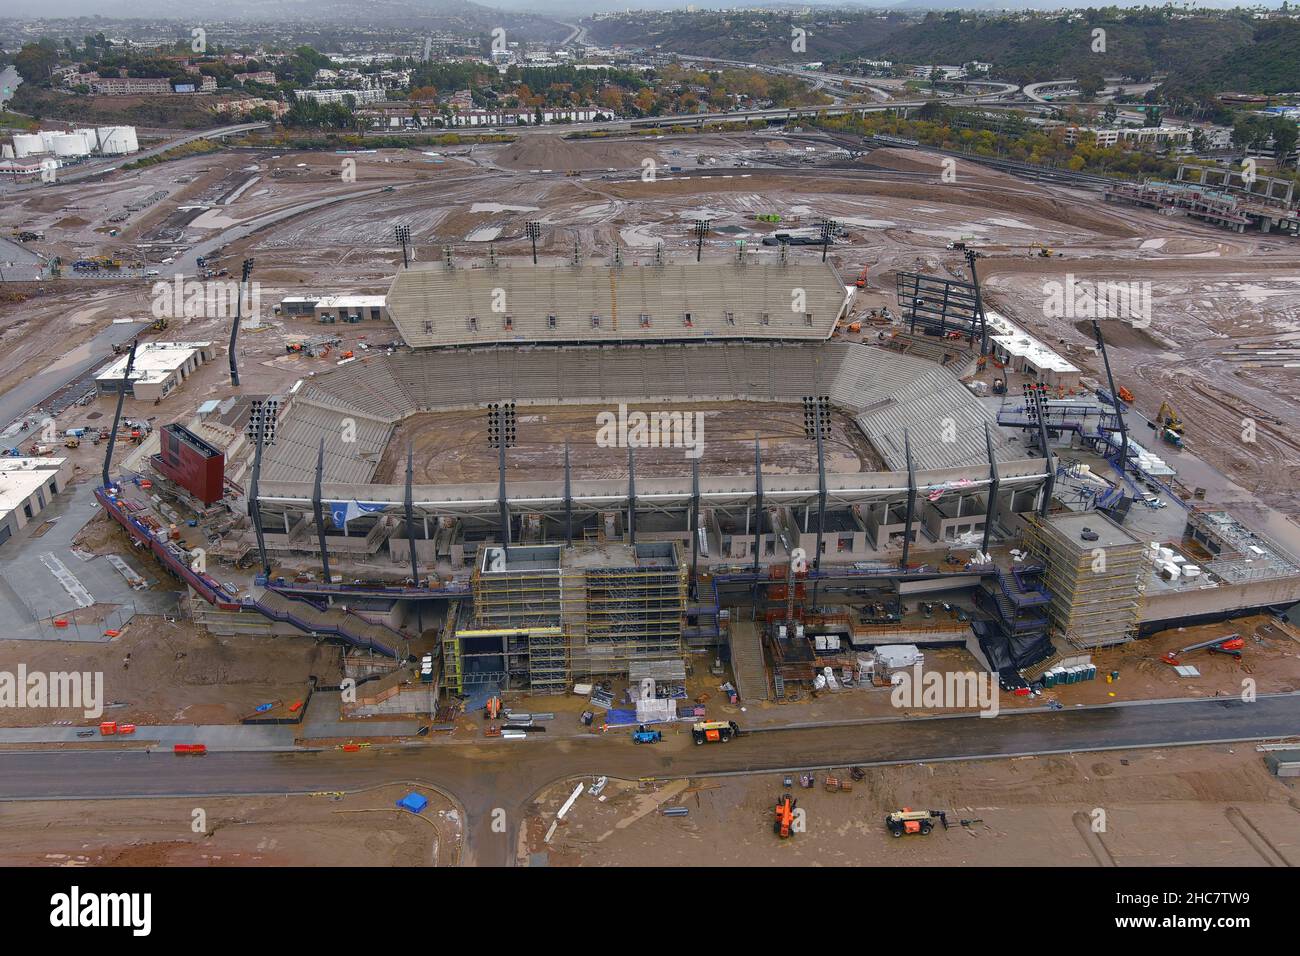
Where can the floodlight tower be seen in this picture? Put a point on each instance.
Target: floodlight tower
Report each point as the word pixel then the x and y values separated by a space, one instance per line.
pixel 260 430
pixel 702 227
pixel 828 229
pixel 404 237
pixel 533 229
pixel 239 314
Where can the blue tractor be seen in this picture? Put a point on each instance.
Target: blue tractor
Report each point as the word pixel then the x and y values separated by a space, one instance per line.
pixel 643 736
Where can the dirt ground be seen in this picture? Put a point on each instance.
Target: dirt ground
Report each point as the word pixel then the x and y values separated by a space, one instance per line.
pixel 451 447
pixel 1204 806
pixel 359 829
pixel 1221 300
pixel 178 673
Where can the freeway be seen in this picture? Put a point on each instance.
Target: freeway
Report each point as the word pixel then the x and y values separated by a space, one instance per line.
pixel 777 113
pixel 485 776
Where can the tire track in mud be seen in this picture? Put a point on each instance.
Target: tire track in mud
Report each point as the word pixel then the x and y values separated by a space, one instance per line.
pixel 1253 835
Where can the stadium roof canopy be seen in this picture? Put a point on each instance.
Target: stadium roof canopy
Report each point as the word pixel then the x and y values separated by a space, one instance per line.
pixel 434 306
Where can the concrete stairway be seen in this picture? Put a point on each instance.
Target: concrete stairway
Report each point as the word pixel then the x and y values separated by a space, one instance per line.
pixel 747 661
pixel 333 622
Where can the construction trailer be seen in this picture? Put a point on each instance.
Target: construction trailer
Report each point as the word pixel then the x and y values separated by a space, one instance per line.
pixel 1093 569
pixel 546 615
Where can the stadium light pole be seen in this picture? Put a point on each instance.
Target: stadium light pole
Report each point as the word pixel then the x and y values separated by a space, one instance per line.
pixel 828 228
pixel 533 229
pixel 239 314
pixel 404 237
pixel 702 227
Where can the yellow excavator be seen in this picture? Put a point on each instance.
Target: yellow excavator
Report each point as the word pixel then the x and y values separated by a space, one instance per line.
pixel 1170 425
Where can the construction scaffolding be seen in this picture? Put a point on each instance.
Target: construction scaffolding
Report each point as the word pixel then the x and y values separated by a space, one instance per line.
pixel 1093 570
pixel 544 616
pixel 1235 553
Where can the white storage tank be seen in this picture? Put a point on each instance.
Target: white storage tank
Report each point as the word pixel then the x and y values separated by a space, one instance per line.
pixel 47 139
pixel 69 144
pixel 117 140
pixel 88 139
pixel 28 144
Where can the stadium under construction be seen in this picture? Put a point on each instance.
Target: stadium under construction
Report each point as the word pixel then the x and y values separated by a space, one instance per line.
pixel 622 464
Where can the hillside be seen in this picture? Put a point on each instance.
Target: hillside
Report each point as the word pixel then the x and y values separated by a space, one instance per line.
pixel 1267 64
pixel 1136 45
pixel 1215 48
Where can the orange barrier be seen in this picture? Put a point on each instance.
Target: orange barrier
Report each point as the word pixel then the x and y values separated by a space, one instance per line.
pixel 190 749
pixel 111 633
pixel 126 728
pixel 351 748
pixel 61 622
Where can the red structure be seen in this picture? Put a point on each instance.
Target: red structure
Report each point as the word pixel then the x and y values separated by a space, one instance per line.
pixel 192 463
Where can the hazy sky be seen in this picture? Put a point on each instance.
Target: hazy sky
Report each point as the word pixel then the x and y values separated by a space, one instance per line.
pixel 382 9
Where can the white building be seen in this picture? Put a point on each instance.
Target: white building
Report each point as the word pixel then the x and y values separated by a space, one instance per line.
pixel 523 117
pixel 27 487
pixel 159 368
pixel 337 96
pixel 1021 352
pixel 1107 137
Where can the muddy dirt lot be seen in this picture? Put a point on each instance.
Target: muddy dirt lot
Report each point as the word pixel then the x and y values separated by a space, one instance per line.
pixel 452 447
pixel 178 673
pixel 1207 806
pixel 363 829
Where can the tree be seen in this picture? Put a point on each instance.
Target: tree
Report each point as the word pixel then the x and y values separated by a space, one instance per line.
pixel 1285 135
pixel 1091 83
pixel 611 98
pixel 36 61
pixel 644 101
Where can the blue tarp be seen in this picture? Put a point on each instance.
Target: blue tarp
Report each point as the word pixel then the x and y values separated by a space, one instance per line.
pixel 413 802
pixel 616 717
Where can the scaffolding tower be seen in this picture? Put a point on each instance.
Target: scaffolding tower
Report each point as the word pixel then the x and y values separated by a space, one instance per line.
pixel 1093 570
pixel 547 615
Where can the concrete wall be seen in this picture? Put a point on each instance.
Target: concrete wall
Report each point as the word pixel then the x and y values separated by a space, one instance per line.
pixel 1173 606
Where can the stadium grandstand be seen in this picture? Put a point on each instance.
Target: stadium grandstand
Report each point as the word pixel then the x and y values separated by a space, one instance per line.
pixel 440 305
pixel 886 394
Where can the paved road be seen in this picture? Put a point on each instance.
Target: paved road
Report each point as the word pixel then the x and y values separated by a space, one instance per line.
pixel 187 263
pixel 18 263
pixel 66 368
pixel 488 775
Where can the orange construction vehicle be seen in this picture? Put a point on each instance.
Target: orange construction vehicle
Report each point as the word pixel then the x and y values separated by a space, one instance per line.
pixel 909 821
pixel 1230 644
pixel 862 278
pixel 1125 395
pixel 783 825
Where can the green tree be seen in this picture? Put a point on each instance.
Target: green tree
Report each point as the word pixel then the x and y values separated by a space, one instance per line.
pixel 1285 134
pixel 36 61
